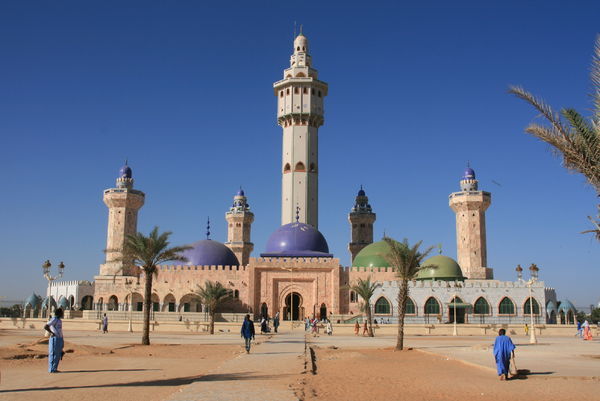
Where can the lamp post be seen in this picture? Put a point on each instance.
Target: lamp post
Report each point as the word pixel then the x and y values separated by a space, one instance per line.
pixel 454 331
pixel 131 287
pixel 533 269
pixel 46 267
pixel 291 270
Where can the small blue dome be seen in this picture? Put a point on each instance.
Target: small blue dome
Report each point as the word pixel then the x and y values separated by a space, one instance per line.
pixel 125 172
pixel 240 192
pixel 566 305
pixel 469 174
pixel 49 301
pixel 210 253
pixel 297 240
pixel 33 300
pixel 550 306
pixel 361 192
pixel 63 303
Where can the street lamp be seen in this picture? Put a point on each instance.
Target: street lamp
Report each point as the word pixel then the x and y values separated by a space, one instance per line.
pixel 454 331
pixel 533 269
pixel 46 267
pixel 131 287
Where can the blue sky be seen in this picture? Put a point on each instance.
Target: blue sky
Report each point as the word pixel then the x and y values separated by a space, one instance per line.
pixel 184 91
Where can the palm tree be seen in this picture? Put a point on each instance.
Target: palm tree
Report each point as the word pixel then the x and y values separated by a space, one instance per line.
pixel 406 261
pixel 147 253
pixel 365 290
pixel 212 295
pixel 572 137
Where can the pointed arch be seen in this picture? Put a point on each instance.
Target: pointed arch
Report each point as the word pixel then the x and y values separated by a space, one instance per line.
pixel 481 306
pixel 506 307
pixel 287 168
pixel 300 75
pixel 410 308
pixel 527 307
pixel 300 167
pixel 432 306
pixel 382 306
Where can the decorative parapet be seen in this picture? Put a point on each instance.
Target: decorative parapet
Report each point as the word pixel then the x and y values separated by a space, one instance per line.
pixel 293 262
pixel 200 267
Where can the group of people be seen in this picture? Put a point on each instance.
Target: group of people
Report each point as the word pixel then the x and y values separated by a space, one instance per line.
pixel 584 330
pixel 264 324
pixel 312 326
pixel 365 328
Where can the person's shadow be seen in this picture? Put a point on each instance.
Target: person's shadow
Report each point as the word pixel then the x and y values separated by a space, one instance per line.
pixel 523 374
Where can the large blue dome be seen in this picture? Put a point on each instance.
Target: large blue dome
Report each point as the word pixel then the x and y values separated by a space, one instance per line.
pixel 469 174
pixel 210 253
pixel 297 240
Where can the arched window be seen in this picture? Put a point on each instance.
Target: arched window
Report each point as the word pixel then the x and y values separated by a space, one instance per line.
pixel 296 90
pixel 280 93
pixel 527 307
pixel 410 307
pixel 300 167
pixel 382 306
pixel 287 91
pixel 482 307
pixel 298 48
pixel 236 294
pixel 287 168
pixel 305 90
pixel 300 75
pixel 113 303
pixel 506 307
pixel 432 306
pixel 353 297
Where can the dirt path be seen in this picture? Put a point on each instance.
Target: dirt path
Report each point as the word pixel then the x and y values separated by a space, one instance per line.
pixel 125 372
pixel 382 374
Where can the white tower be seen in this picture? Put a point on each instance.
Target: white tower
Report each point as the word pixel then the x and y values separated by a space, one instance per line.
pixel 300 113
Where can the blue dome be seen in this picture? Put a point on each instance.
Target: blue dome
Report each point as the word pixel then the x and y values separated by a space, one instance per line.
pixel 297 240
pixel 550 306
pixel 63 303
pixel 33 300
pixel 240 192
pixel 469 174
pixel 210 253
pixel 566 305
pixel 361 192
pixel 125 172
pixel 49 301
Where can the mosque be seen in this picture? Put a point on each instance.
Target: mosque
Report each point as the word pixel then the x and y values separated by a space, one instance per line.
pixel 296 274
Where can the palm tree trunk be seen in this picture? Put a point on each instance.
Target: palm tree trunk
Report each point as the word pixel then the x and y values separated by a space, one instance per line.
pixel 147 306
pixel 212 322
pixel 368 311
pixel 402 297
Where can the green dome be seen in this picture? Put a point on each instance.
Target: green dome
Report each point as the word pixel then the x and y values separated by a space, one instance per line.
pixel 447 269
pixel 373 255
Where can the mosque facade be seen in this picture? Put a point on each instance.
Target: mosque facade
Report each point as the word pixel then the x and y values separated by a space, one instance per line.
pixel 296 274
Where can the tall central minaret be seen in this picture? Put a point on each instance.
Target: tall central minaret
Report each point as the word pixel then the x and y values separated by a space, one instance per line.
pixel 300 113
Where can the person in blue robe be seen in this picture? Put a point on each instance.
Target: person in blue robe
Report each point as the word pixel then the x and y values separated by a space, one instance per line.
pixel 503 350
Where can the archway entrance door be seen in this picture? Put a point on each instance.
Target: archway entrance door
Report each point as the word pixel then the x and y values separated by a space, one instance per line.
pixel 293 307
pixel 461 309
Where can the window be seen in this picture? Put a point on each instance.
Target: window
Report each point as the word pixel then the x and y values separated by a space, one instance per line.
pixel 432 307
pixel 507 307
pixel 527 307
pixel 296 91
pixel 353 298
pixel 287 91
pixel 319 93
pixel 287 168
pixel 305 91
pixel 297 48
pixel 300 167
pixel 382 306
pixel 313 168
pixel 482 307
pixel 300 75
pixel 410 307
pixel 281 94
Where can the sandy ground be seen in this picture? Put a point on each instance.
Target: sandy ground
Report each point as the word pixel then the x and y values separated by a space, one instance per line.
pixel 119 372
pixel 384 374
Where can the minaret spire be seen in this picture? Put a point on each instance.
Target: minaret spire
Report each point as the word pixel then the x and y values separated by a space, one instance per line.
pixel 300 113
pixel 361 220
pixel 239 222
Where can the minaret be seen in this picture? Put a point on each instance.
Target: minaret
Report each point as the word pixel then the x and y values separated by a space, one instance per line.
pixel 123 203
pixel 239 220
pixel 300 113
pixel 361 220
pixel 470 205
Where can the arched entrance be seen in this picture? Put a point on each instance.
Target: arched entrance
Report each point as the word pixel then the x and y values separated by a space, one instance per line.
pixel 293 307
pixel 323 312
pixel 459 307
pixel 264 310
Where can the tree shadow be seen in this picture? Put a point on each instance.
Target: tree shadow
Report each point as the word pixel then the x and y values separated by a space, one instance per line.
pixel 177 381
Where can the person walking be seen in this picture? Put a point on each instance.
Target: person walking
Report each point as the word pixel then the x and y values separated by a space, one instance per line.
pixel 263 325
pixel 503 350
pixel 329 327
pixel 247 332
pixel 365 329
pixel 526 329
pixel 579 330
pixel 356 328
pixel 55 342
pixel 276 322
pixel 105 324
pixel 587 332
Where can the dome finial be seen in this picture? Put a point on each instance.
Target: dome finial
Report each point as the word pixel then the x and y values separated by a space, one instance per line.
pixel 208 227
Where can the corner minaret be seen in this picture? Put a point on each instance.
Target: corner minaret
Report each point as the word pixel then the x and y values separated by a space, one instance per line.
pixel 123 203
pixel 470 205
pixel 300 113
pixel 239 221
pixel 361 220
